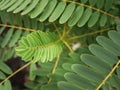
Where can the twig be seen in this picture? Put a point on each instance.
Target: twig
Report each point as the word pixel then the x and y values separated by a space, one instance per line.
pixel 54 68
pixel 68 46
pixel 96 9
pixel 23 67
pixel 108 76
pixel 89 34
pixel 56 28
pixel 17 27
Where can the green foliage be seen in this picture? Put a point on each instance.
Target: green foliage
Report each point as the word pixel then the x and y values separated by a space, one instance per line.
pixel 54 10
pixel 96 66
pixel 4 71
pixel 39 46
pixel 42 32
pixel 6 86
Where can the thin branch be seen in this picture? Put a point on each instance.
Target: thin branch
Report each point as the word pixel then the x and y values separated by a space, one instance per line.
pixel 17 27
pixel 96 9
pixel 23 67
pixel 54 68
pixel 64 31
pixel 68 46
pixel 108 76
pixel 62 38
pixel 69 30
pixel 90 34
pixel 49 44
pixel 56 28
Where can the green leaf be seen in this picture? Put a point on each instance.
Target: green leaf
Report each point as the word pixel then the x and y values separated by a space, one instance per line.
pixel 108 4
pixel 22 6
pixel 118 27
pixel 92 2
pixel 87 73
pixel 115 36
pixel 5 68
pixel 14 6
pixel 85 17
pixel 93 19
pixel 34 24
pixel 67 86
pixel 2 75
pixel 103 20
pixel 1 87
pixel 27 22
pixel 7 85
pixel 96 67
pixel 2 2
pixel 47 66
pixel 83 49
pixel 84 1
pixel 19 20
pixel 41 72
pixel 100 3
pixel 30 85
pixel 76 16
pixel 48 10
pixel 5 2
pixel 1 30
pixel 59 72
pixel 96 63
pixel 109 45
pixel 106 87
pixel 39 8
pixel 32 68
pixel 39 46
pixel 118 72
pixel 75 57
pixel 15 38
pixel 11 17
pixel 7 38
pixel 67 13
pixel 30 7
pixel 103 54
pixel 67 66
pixel 3 55
pixel 115 81
pixel 8 4
pixel 9 54
pixel 50 87
pixel 3 15
pixel 57 12
pixel 79 82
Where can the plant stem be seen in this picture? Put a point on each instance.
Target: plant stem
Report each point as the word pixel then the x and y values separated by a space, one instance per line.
pixel 54 68
pixel 64 30
pixel 107 77
pixel 68 46
pixel 89 34
pixel 96 9
pixel 69 30
pixel 56 28
pixel 23 67
pixel 17 27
